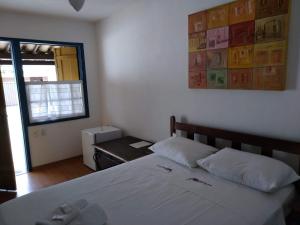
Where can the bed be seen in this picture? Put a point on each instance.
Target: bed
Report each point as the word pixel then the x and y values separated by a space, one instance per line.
pixel 145 192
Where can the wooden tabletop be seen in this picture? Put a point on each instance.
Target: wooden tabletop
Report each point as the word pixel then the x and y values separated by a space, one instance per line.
pixel 121 149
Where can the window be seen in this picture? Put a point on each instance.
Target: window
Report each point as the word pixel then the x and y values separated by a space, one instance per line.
pixel 51 79
pixel 54 100
pixel 53 82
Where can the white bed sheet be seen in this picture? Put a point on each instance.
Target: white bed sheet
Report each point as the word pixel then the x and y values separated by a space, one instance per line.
pixel 141 193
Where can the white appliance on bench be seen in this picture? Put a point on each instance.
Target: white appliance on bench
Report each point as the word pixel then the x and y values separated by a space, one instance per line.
pixel 96 135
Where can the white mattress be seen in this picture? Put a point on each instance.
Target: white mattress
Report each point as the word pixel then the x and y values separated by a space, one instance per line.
pixel 141 193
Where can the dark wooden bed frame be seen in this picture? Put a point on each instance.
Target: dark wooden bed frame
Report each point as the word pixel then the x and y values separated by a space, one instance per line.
pixel 267 144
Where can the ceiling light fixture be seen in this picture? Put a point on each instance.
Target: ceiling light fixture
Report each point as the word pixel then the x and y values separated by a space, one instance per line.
pixel 77 4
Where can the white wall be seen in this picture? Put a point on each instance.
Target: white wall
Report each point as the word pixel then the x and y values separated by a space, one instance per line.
pixel 144 63
pixel 61 140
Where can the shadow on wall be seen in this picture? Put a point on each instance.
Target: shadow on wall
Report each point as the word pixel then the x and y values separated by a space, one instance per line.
pixel 105 118
pixel 294 47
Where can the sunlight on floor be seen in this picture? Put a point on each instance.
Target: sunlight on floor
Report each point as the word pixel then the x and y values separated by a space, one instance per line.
pixel 23 184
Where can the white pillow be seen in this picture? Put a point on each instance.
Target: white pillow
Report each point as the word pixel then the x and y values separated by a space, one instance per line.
pixel 253 170
pixel 183 150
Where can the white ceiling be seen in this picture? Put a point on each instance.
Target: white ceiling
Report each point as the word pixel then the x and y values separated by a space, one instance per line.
pixel 92 10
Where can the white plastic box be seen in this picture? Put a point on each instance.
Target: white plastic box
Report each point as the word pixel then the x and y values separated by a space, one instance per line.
pixel 96 135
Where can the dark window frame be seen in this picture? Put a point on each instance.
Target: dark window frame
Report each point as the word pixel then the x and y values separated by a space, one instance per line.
pixel 17 64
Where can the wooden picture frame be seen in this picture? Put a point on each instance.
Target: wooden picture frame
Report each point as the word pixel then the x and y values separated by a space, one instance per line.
pixel 245 43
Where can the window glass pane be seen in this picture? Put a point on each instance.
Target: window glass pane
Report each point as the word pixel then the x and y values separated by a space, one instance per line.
pixel 46 62
pixel 52 79
pixel 54 100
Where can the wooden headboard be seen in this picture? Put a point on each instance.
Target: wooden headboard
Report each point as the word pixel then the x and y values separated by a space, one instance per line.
pixel 237 139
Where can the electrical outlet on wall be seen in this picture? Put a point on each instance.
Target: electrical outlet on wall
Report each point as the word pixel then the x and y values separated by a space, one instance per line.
pixel 36 133
pixel 43 132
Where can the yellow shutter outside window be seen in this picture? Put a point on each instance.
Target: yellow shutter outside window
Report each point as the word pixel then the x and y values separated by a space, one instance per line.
pixel 66 63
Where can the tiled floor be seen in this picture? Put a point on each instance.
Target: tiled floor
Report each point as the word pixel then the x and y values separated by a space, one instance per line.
pixel 46 176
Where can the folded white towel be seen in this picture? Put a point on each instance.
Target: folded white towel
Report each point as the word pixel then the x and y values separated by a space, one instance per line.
pixel 64 219
pixel 59 218
pixel 77 213
pixel 65 213
pixel 91 215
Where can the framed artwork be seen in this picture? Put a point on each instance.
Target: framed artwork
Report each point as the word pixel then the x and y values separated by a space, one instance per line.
pixel 241 57
pixel 217 78
pixel 197 79
pixel 271 29
pixel 241 11
pixel 241 34
pixel 270 54
pixel 268 8
pixel 240 79
pixel 197 41
pixel 217 58
pixel 239 45
pixel 197 61
pixel 217 38
pixel 197 22
pixel 218 17
pixel 269 78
